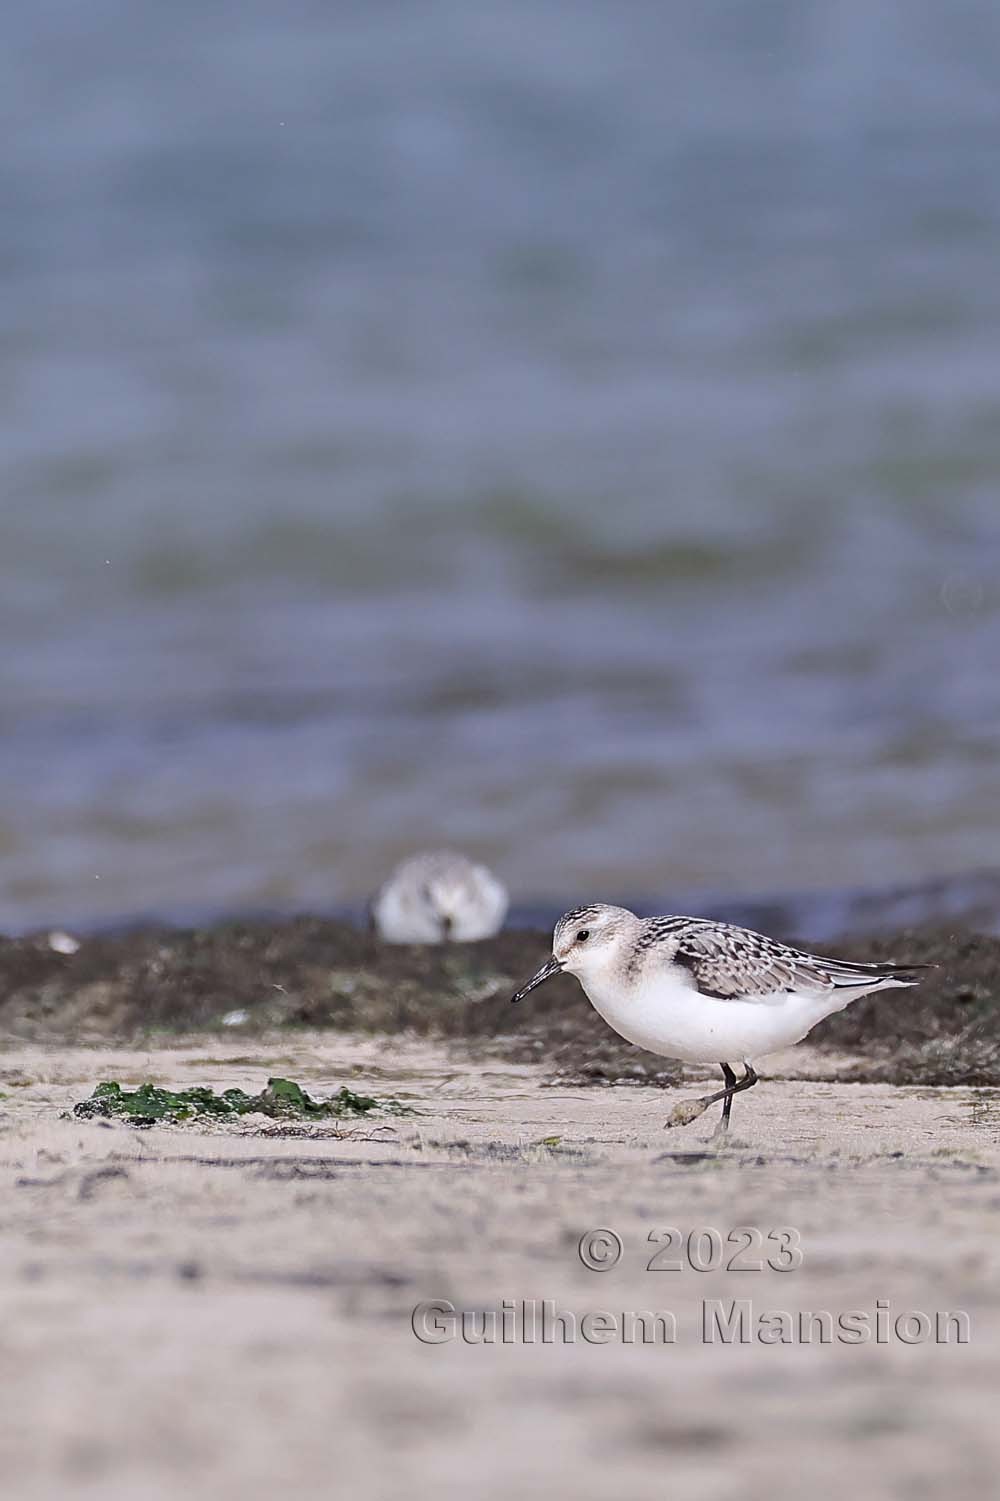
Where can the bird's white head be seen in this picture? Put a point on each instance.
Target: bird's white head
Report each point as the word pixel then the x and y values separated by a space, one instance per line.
pixel 587 942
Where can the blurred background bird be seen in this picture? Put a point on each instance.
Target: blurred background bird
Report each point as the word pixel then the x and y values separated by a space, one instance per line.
pixel 437 897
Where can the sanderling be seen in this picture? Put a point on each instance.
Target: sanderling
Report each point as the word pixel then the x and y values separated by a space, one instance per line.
pixel 705 992
pixel 437 898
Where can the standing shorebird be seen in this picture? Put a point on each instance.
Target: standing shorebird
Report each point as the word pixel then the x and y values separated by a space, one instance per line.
pixel 705 992
pixel 439 897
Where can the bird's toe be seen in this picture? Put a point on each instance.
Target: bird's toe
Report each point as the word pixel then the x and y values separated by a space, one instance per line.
pixel 684 1113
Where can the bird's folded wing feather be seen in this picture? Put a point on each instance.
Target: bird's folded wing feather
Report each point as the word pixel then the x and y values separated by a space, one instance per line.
pixel 737 964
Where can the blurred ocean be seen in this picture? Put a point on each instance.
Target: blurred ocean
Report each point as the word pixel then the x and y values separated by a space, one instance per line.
pixel 566 430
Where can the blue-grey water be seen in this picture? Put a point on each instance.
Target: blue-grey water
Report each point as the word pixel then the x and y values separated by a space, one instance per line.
pixel 566 430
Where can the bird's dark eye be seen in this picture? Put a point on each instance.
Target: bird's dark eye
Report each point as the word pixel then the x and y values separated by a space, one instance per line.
pixel 583 935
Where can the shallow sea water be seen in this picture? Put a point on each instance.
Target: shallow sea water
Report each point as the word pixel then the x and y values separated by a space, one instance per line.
pixel 571 432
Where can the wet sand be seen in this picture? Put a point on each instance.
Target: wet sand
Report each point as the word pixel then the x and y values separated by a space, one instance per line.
pixel 227 1312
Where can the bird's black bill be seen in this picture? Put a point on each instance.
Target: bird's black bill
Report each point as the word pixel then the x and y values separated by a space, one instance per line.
pixel 551 967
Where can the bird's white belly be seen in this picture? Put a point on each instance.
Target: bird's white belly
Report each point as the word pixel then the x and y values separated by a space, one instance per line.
pixel 668 1016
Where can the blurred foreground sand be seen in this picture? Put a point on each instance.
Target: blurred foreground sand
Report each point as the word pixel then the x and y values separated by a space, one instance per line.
pixel 205 1312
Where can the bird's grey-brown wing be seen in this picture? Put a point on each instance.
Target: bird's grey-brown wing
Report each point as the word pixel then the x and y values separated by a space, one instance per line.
pixel 730 963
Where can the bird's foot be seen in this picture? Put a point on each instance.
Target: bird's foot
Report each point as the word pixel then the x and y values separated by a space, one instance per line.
pixel 685 1112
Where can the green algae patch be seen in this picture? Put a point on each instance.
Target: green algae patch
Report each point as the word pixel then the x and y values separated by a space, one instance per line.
pixel 283 1099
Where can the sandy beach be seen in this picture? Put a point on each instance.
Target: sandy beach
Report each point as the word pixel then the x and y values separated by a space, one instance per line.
pixel 225 1311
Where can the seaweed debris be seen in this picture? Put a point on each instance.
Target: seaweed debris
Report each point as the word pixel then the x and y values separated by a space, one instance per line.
pixel 283 1099
pixel 266 976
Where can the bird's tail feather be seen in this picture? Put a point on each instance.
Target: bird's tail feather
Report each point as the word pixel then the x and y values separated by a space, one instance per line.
pixel 845 973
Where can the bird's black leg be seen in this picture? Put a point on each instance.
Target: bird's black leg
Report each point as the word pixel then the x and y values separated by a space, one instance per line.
pixel 727 1103
pixel 689 1110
